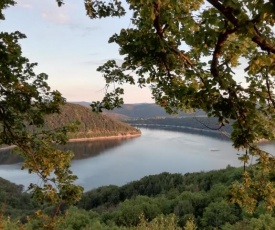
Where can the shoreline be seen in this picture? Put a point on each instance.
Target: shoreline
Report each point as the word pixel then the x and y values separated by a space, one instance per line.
pixel 7 147
pixel 127 136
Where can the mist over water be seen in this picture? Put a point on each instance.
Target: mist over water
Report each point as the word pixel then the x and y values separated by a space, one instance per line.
pixel 117 162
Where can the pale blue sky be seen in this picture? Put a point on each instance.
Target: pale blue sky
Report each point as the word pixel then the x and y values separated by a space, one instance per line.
pixel 69 46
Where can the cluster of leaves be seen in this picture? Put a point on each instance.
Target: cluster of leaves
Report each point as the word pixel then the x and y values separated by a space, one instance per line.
pixel 195 55
pixel 25 100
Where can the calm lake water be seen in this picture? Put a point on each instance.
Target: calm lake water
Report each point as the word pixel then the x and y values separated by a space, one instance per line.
pixel 117 162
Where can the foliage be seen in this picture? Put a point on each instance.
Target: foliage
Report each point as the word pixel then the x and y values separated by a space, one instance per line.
pixel 265 221
pixel 159 223
pixel 130 211
pixel 217 56
pixel 186 204
pixel 25 100
pixel 164 183
pixel 218 213
pixel 186 196
pixel 196 199
pixel 13 201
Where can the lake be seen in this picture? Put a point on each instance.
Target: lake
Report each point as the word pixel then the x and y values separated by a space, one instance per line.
pixel 117 162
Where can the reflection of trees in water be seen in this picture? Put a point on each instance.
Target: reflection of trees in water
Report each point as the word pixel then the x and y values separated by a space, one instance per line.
pixel 7 157
pixel 219 134
pixel 82 150
pixel 88 149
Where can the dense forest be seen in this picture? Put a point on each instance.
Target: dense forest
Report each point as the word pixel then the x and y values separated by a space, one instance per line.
pixel 165 201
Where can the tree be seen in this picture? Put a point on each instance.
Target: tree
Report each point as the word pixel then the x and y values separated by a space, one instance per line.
pixel 25 100
pixel 217 214
pixel 213 55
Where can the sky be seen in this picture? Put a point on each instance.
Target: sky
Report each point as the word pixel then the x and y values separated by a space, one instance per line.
pixel 69 46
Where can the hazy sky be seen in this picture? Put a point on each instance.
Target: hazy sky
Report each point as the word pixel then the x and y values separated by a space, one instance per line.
pixel 69 46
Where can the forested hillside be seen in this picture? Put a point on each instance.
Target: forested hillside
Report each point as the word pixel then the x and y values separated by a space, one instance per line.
pixel 165 201
pixel 90 124
pixel 146 110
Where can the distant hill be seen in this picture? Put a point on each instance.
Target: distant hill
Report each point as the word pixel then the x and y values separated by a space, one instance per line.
pixel 112 114
pixel 83 103
pixel 145 111
pixel 91 124
pixel 208 126
pixel 142 110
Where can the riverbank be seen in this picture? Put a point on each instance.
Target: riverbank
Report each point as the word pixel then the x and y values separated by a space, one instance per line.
pixel 127 136
pixel 7 147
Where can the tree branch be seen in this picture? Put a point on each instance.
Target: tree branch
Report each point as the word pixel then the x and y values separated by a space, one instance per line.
pixel 182 56
pixel 268 89
pixel 263 43
pixel 226 11
pixel 215 60
pixel 157 24
pixel 160 32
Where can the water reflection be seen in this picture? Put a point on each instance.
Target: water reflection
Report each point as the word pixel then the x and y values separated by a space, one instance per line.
pixel 118 161
pixel 8 157
pixel 87 149
pixel 81 150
